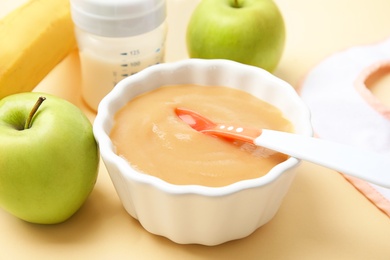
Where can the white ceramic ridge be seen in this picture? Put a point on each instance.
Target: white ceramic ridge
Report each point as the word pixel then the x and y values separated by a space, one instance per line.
pixel 192 213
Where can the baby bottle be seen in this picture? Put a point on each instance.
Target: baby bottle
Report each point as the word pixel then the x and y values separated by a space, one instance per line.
pixel 116 38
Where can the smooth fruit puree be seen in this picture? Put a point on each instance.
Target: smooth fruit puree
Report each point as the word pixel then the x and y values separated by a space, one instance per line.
pixel 150 136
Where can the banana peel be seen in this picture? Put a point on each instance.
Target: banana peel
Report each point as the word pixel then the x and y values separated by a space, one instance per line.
pixel 34 38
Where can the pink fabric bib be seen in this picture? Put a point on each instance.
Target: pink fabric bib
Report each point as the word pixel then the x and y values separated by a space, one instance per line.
pixel 345 110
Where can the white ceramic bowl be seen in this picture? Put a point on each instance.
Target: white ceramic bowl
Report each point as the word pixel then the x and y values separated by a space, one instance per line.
pixel 192 213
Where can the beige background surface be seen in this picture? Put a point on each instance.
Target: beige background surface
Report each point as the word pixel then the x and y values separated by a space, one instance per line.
pixel 322 216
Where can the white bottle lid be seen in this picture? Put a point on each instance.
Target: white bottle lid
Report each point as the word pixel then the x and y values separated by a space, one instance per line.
pixel 118 18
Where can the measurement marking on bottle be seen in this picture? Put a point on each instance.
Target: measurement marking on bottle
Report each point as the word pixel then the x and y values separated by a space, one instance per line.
pixel 123 53
pixel 134 52
pixel 124 65
pixel 135 63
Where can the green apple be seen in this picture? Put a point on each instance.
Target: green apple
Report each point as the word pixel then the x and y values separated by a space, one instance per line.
pixel 247 31
pixel 48 157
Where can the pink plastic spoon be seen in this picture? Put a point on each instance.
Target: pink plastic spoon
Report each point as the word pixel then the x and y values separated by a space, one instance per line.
pixel 363 164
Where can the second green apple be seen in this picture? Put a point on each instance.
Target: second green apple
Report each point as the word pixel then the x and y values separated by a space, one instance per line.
pixel 49 158
pixel 247 31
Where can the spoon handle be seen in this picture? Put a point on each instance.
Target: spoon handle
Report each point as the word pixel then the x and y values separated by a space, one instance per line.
pixel 363 164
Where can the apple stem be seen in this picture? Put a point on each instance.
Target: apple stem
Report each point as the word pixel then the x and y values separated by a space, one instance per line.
pixel 39 102
pixel 236 3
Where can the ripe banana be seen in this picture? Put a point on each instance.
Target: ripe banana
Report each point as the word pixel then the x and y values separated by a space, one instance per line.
pixel 34 39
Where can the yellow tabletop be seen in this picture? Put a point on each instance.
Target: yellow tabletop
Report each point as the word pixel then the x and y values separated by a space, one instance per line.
pixel 322 217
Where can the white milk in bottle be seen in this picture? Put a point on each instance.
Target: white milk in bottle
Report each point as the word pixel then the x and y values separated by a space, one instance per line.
pixel 116 38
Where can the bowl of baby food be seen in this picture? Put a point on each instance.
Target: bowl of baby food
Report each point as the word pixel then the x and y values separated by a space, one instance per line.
pixel 187 186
